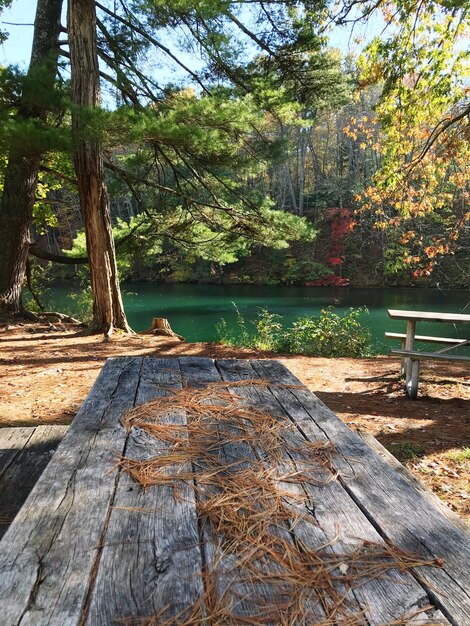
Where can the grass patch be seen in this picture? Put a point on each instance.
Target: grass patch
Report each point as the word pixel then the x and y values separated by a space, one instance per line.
pixel 406 451
pixel 459 455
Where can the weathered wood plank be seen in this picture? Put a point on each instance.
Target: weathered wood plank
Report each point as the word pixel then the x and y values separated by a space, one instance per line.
pixel 12 441
pixel 426 338
pixel 339 520
pixel 397 510
pixel 418 485
pixel 48 554
pixel 431 356
pixel 25 466
pixel 151 557
pixel 235 456
pixel 429 316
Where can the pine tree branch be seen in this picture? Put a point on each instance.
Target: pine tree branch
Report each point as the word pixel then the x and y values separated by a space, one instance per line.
pixel 134 26
pixel 250 34
pixel 57 174
pixel 41 253
pixel 215 57
pixel 116 63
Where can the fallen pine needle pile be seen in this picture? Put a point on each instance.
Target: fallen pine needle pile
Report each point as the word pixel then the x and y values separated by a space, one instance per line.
pixel 252 473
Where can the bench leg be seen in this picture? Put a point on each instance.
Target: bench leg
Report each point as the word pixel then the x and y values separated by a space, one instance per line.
pixel 413 380
pixel 409 345
pixel 403 364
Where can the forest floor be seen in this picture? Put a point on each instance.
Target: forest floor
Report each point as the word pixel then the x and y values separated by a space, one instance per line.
pixel 46 372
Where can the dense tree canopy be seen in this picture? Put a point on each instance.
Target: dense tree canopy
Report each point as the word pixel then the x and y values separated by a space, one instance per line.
pixel 228 128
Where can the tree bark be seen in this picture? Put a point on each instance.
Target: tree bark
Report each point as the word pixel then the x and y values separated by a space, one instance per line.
pixel 108 310
pixel 16 207
pixel 302 155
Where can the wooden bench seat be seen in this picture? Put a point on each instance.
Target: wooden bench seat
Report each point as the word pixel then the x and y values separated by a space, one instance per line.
pixel 426 338
pixel 431 356
pixel 25 451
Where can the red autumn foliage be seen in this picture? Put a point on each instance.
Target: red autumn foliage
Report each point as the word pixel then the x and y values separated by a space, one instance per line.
pixel 341 223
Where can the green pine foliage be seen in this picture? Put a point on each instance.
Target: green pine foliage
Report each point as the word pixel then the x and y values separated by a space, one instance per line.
pixel 4 4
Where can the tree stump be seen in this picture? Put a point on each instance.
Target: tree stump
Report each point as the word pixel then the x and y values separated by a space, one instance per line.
pixel 161 326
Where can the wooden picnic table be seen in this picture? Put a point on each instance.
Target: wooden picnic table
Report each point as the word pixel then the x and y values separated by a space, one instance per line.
pixel 412 317
pixel 411 356
pixel 90 547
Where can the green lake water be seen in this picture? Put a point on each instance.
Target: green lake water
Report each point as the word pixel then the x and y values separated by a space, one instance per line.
pixel 194 310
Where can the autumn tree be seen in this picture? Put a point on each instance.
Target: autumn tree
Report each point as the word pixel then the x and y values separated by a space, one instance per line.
pixel 419 198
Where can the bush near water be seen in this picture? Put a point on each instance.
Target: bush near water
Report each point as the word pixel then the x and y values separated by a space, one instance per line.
pixel 328 335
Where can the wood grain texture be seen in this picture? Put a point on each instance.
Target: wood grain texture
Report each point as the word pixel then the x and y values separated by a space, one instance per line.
pixel 426 338
pixel 48 553
pixel 89 546
pixel 337 518
pixel 24 453
pixel 429 316
pixel 396 509
pixel 151 556
pixel 12 442
pixel 220 566
pixel 434 500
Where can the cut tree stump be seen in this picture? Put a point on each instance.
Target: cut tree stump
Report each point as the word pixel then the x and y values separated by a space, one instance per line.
pixel 161 326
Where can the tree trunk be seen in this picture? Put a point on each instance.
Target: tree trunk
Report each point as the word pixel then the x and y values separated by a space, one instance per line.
pixel 302 155
pixel 161 326
pixel 16 208
pixel 108 310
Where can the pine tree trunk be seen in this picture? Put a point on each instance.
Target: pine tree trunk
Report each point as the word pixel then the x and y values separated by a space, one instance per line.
pixel 16 207
pixel 302 156
pixel 108 310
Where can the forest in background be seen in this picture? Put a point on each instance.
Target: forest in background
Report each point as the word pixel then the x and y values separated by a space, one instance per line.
pixel 234 145
pixel 325 169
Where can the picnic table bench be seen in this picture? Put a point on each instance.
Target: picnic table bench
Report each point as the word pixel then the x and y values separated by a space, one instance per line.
pixel 411 358
pixel 24 453
pixel 91 547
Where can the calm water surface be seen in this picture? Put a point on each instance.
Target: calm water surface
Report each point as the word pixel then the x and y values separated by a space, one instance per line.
pixel 194 310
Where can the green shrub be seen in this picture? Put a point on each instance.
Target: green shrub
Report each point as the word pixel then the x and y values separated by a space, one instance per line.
pixel 329 334
pixel 269 331
pixel 237 336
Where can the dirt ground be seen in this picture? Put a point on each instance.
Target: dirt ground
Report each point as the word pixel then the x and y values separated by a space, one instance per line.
pixel 47 370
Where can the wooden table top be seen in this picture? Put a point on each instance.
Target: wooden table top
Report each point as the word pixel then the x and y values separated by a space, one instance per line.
pixel 428 316
pixel 91 547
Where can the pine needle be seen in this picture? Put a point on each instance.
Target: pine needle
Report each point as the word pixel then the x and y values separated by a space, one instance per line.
pixel 249 497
